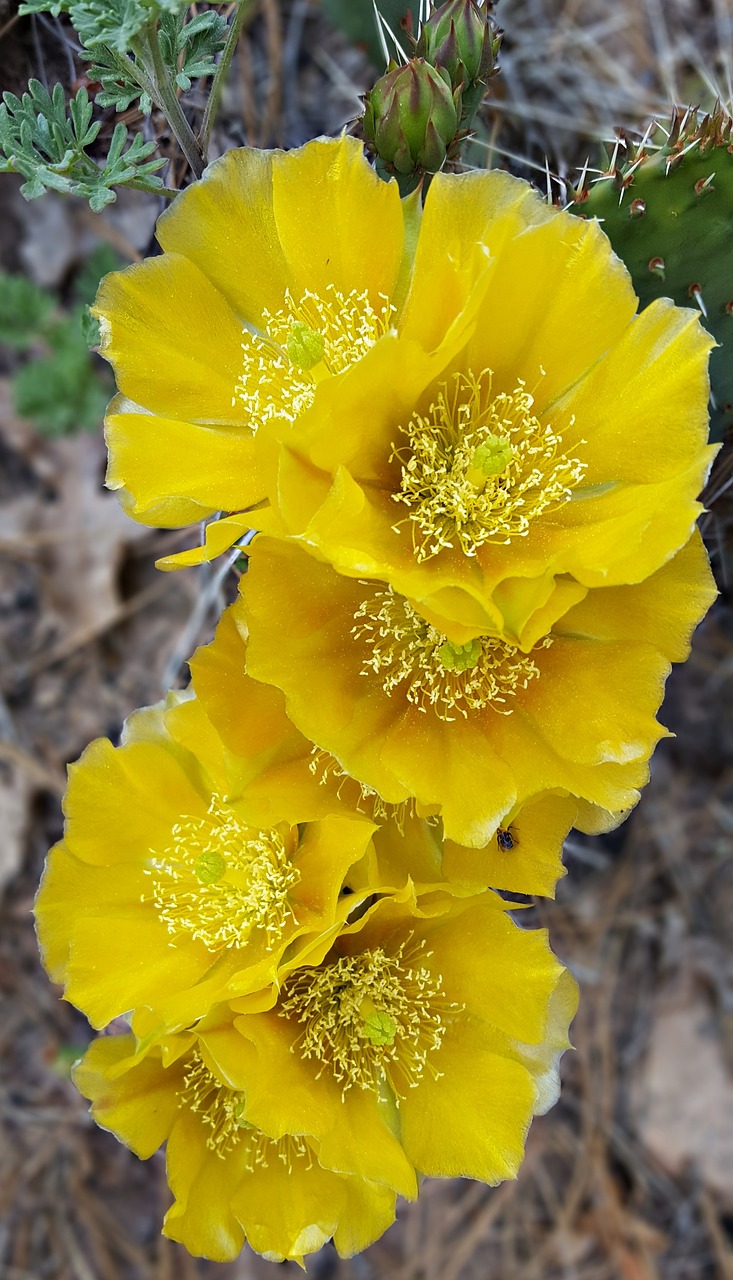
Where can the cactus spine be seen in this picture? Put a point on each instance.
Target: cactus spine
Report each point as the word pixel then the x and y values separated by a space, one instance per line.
pixel 666 204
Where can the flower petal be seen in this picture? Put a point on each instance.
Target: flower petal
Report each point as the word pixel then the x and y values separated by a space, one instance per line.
pixel 174 344
pixel 471 1122
pixel 139 1106
pixel 533 861
pixel 263 222
pixel 202 1183
pixel 172 473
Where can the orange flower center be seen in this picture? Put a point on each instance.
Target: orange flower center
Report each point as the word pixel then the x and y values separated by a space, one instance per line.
pixel 221 1109
pixel 305 341
pixel 370 1016
pixel 218 880
pixel 411 655
pixel 480 468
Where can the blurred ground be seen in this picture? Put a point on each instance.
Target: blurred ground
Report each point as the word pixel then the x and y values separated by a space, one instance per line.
pixel 630 1177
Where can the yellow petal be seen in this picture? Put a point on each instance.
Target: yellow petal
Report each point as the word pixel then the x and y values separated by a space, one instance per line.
pixel 471 1122
pixel 557 301
pixel 121 800
pixel 525 856
pixel 478 952
pixel 139 1106
pixel 219 536
pixel 288 1211
pixel 643 409
pixel 202 1183
pixel 663 611
pixel 172 340
pixel 465 223
pixel 173 473
pixel 263 222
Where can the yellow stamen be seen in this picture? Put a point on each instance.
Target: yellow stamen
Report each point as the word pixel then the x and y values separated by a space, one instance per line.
pixel 410 654
pixel 371 1016
pixel 222 1110
pixel 480 467
pixel 307 339
pixel 218 880
pixel 358 795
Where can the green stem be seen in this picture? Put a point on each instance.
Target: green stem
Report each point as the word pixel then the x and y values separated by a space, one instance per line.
pixel 244 10
pixel 167 98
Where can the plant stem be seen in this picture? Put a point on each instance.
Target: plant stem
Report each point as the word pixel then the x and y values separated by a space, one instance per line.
pixel 168 101
pixel 244 10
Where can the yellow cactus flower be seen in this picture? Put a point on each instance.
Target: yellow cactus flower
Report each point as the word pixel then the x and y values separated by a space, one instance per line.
pixel 481 727
pixel 180 880
pixel 524 855
pixel 230 1181
pixel 399 1049
pixel 422 1040
pixel 463 404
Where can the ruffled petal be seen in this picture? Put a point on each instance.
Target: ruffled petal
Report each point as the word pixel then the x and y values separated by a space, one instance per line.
pixel 171 473
pixel 202 1182
pixel 139 1106
pixel 525 856
pixel 174 344
pixel 261 223
pixel 471 1122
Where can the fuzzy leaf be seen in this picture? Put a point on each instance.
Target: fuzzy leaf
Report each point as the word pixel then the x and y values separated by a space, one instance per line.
pixel 117 23
pixel 190 50
pixel 54 7
pixel 24 310
pixel 47 146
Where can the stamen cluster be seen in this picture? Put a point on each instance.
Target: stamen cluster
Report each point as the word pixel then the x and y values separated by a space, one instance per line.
pixel 369 1016
pixel 307 339
pixel 410 654
pixel 479 467
pixel 218 880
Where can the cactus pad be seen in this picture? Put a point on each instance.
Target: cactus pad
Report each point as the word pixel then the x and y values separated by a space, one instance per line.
pixel 666 204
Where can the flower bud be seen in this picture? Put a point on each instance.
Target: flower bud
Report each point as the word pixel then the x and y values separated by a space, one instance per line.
pixel 411 118
pixel 459 39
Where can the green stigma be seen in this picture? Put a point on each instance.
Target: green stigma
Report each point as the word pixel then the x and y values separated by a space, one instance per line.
pixel 459 657
pixel 210 867
pixel 492 457
pixel 305 346
pixel 379 1027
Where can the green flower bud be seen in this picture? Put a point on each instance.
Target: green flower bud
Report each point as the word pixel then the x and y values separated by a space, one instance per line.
pixel 411 118
pixel 459 39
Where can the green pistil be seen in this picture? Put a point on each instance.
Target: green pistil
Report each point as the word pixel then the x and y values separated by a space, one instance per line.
pixel 305 345
pixel 459 657
pixel 210 867
pixel 491 457
pixel 378 1027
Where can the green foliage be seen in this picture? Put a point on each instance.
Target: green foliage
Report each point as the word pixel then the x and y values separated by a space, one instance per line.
pixel 667 208
pixel 120 85
pixel 48 144
pixel 60 387
pixel 24 311
pixel 189 49
pixel 117 23
pixel 54 7
pixel 141 52
pixel 61 392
